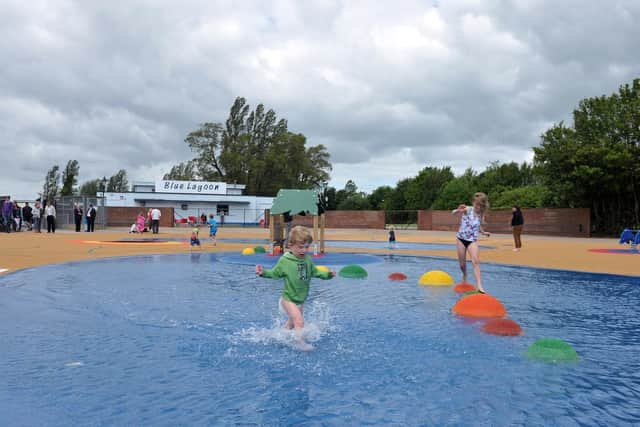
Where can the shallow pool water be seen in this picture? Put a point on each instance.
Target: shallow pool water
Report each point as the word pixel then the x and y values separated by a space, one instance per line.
pixel 359 244
pixel 190 339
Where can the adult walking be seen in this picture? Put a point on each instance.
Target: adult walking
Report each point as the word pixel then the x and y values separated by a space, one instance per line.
pixel 50 212
pixel 17 217
pixel 517 222
pixel 7 214
pixel 91 218
pixel 27 215
pixel 155 220
pixel 77 216
pixel 36 218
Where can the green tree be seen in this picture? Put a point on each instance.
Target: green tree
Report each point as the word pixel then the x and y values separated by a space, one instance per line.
pixel 90 188
pixel 332 200
pixel 500 177
pixel 456 191
pixel 185 171
pixel 396 200
pixel 530 196
pixel 206 143
pixel 118 183
pixel 378 197
pixel 423 190
pixel 596 162
pixel 51 186
pixel 350 198
pixel 93 187
pixel 70 178
pixel 255 148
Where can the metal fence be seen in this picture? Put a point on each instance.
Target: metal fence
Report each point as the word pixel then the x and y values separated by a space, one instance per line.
pixel 64 211
pixel 401 219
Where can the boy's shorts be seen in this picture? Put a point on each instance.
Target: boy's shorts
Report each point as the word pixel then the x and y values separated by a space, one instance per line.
pixel 195 242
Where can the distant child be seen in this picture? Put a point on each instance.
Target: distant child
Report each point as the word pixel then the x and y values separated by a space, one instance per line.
pixel 297 269
pixel 194 238
pixel 392 237
pixel 213 228
pixel 470 229
pixel 140 222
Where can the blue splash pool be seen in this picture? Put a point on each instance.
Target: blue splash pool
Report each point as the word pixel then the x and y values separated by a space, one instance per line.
pixel 360 244
pixel 190 339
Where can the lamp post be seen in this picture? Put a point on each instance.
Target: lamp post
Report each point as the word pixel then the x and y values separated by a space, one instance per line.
pixel 104 187
pixel 103 212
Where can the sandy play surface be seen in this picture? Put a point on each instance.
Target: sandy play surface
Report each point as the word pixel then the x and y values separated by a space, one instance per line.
pixel 26 249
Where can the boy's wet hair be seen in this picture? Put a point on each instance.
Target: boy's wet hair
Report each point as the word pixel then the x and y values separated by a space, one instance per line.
pixel 300 234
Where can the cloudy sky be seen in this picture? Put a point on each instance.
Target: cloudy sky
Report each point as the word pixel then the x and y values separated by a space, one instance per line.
pixel 388 86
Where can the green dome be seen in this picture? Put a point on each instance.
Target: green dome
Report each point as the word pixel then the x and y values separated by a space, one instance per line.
pixel 552 350
pixel 259 250
pixel 353 272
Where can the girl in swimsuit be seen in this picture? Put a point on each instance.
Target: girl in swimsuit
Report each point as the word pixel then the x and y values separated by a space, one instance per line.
pixel 467 237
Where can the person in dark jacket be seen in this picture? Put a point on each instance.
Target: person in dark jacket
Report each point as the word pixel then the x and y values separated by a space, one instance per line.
pixel 7 214
pixel 77 216
pixel 17 217
pixel 91 218
pixel 517 222
pixel 27 215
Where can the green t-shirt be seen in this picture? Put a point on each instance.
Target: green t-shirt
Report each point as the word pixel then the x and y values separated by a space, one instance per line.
pixel 297 273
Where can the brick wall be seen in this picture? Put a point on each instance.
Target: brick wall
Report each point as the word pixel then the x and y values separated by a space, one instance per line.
pixel 124 217
pixel 543 221
pixel 425 220
pixel 346 219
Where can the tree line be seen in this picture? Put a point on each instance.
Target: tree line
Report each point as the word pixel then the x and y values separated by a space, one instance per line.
pixel 65 183
pixel 592 163
pixel 438 188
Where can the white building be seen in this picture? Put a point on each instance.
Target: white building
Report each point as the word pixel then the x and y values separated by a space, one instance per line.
pixel 194 198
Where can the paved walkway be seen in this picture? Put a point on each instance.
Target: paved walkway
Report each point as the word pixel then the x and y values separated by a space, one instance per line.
pixel 26 249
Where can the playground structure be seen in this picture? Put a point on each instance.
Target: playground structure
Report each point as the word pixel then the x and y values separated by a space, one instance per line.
pixel 289 203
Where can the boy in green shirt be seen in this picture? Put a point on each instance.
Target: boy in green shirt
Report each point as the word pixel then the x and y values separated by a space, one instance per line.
pixel 297 269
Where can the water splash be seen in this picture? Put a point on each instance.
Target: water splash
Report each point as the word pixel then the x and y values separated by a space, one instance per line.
pixel 318 322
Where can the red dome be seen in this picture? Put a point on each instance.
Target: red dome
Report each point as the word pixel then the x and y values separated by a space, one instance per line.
pixel 479 305
pixel 397 276
pixel 504 327
pixel 461 288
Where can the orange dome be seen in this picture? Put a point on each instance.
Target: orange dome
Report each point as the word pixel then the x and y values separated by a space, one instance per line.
pixel 504 327
pixel 479 305
pixel 461 288
pixel 397 276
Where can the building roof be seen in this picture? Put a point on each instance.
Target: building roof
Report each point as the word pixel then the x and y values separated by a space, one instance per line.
pixel 295 202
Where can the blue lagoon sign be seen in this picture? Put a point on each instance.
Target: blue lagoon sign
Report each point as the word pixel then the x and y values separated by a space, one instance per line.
pixel 191 187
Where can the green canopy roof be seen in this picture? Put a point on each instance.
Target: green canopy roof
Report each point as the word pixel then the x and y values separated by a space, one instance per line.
pixel 295 202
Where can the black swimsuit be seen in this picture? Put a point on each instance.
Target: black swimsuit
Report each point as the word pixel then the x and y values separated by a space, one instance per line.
pixel 466 243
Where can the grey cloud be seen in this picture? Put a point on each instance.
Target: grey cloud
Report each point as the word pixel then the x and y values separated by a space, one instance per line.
pixel 119 84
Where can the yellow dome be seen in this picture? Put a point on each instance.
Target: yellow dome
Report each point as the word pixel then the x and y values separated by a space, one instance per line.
pixel 248 251
pixel 436 278
pixel 322 268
